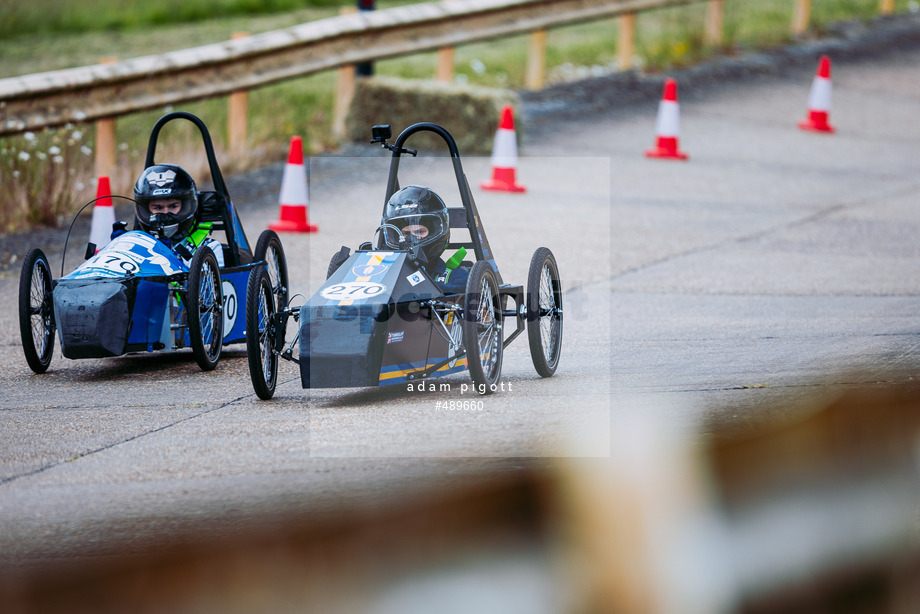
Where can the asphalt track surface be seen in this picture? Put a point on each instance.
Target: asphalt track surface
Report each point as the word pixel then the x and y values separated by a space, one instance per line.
pixel 774 266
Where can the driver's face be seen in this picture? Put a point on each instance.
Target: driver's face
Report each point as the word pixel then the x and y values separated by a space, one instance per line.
pixel 417 231
pixel 164 205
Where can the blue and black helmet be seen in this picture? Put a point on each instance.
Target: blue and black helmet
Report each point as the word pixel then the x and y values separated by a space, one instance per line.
pixel 422 217
pixel 163 184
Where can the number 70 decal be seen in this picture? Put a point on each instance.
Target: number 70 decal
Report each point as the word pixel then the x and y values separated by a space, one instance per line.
pixel 115 262
pixel 352 290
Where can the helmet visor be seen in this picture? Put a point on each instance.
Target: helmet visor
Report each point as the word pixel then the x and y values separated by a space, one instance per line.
pixel 416 229
pixel 151 209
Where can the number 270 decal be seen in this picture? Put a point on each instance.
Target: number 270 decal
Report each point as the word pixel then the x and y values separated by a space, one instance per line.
pixel 352 290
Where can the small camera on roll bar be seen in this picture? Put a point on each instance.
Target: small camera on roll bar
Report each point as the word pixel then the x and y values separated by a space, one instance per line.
pixel 382 133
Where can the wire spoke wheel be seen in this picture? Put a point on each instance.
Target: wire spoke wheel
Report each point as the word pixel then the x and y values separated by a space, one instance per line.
pixel 204 307
pixel 269 250
pixel 482 327
pixel 36 311
pixel 544 312
pixel 260 333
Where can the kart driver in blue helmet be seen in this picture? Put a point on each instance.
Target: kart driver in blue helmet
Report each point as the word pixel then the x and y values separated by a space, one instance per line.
pixel 166 207
pixel 421 215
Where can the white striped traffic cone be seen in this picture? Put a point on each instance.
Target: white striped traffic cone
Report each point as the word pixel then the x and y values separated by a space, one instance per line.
pixel 103 215
pixel 819 99
pixel 504 156
pixel 667 125
pixel 294 198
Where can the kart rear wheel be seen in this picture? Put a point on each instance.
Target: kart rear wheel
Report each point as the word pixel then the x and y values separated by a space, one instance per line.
pixel 204 309
pixel 482 327
pixel 260 342
pixel 544 312
pixel 269 250
pixel 36 311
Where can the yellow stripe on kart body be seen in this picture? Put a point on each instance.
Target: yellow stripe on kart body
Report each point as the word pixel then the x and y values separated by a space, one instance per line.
pixel 374 259
pixel 461 362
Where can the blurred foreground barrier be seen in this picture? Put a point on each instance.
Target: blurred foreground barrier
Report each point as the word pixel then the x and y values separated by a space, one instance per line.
pixel 348 561
pixel 816 512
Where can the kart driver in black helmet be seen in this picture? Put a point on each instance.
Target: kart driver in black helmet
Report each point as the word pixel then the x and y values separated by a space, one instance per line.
pixel 422 217
pixel 166 207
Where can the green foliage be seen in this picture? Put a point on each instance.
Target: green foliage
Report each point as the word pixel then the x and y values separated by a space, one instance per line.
pixel 62 16
pixel 470 113
pixel 824 12
pixel 39 172
pixel 671 38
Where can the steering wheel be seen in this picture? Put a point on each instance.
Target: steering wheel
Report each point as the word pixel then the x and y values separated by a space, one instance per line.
pixel 401 245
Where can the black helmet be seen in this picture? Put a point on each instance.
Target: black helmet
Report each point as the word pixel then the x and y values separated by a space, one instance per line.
pixel 165 182
pixel 418 206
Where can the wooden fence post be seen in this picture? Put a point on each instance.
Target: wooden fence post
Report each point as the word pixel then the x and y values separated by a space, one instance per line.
pixel 715 17
pixel 345 89
pixel 237 111
pixel 800 16
pixel 105 140
pixel 536 60
pixel 445 69
pixel 627 40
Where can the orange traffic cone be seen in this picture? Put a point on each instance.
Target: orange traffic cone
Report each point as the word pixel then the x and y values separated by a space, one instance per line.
pixel 294 196
pixel 819 99
pixel 103 215
pixel 667 125
pixel 504 156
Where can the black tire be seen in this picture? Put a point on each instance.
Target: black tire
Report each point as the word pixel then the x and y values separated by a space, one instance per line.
pixel 269 250
pixel 36 311
pixel 337 260
pixel 482 327
pixel 204 308
pixel 260 308
pixel 544 312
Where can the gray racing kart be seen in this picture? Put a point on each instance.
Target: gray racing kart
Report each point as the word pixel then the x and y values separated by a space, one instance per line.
pixel 380 319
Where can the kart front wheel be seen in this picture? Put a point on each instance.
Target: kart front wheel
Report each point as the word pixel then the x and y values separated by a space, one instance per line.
pixel 544 312
pixel 260 310
pixel 269 250
pixel 337 260
pixel 204 307
pixel 36 311
pixel 482 327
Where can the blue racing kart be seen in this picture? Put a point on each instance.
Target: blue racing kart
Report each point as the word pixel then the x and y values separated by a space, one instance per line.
pixel 137 295
pixel 381 319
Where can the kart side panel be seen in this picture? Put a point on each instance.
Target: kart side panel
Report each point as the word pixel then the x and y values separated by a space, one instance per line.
pixel 406 341
pixel 344 326
pixel 233 286
pixel 150 318
pixel 233 282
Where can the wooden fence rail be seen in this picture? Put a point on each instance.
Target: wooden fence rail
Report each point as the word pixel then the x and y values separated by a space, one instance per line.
pixel 109 90
pixel 54 98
